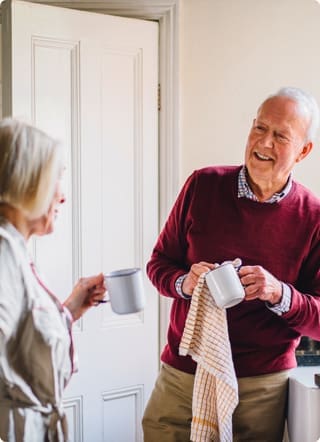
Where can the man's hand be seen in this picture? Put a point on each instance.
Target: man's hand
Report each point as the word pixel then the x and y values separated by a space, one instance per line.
pixel 192 277
pixel 260 284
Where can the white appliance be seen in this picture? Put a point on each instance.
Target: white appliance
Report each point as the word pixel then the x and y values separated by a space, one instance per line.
pixel 304 406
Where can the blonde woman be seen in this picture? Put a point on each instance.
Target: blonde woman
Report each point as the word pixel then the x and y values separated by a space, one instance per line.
pixel 36 351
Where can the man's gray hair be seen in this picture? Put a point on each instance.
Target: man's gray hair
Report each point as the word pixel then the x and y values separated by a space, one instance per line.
pixel 307 106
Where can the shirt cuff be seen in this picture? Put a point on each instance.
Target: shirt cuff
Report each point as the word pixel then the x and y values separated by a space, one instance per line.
pixel 284 305
pixel 178 286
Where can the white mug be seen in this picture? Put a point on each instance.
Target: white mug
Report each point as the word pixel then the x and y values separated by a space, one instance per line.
pixel 225 286
pixel 125 290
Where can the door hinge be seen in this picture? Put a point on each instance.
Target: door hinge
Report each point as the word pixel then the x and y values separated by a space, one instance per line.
pixel 159 97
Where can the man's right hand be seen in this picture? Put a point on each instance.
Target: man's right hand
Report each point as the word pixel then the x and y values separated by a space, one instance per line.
pixel 192 277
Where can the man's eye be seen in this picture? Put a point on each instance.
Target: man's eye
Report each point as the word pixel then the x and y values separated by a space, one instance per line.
pixel 281 137
pixel 260 129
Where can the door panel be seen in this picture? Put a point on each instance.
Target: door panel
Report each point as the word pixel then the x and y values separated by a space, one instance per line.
pixel 91 81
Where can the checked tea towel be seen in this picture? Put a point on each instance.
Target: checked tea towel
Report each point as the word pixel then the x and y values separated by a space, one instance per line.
pixel 215 394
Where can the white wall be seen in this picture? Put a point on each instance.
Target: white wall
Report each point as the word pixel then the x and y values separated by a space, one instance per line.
pixel 233 54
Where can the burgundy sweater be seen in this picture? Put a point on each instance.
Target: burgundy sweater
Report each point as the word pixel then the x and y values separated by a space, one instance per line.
pixel 210 223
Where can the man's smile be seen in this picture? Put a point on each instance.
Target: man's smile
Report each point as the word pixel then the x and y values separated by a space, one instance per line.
pixel 262 157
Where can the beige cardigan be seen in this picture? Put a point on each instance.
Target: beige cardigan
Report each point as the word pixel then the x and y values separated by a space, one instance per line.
pixel 35 349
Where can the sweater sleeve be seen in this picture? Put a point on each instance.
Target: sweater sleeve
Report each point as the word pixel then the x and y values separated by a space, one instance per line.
pixel 168 259
pixel 304 313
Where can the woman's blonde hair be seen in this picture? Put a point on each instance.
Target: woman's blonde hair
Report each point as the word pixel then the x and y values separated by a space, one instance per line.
pixel 30 165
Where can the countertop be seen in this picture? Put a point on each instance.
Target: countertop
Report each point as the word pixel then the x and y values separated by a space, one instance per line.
pixel 305 375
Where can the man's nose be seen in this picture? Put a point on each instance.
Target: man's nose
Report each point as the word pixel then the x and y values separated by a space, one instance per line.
pixel 268 140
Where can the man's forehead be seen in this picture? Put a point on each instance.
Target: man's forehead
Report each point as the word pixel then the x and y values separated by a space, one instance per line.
pixel 281 110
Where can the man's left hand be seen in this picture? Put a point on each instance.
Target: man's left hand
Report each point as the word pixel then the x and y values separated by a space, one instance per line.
pixel 260 284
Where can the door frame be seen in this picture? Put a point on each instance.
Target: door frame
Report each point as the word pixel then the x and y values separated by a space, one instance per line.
pixel 166 13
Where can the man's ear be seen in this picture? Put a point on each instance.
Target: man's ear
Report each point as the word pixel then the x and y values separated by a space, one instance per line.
pixel 307 148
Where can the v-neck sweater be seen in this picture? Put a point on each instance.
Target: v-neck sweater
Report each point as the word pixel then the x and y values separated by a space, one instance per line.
pixel 208 222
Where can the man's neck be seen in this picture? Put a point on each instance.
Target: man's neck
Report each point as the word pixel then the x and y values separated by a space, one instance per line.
pixel 265 189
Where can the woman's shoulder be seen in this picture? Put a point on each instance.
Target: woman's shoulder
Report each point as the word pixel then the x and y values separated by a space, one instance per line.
pixel 9 262
pixel 12 250
pixel 11 285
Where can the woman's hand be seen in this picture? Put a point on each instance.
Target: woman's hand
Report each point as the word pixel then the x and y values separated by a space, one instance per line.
pixel 192 277
pixel 86 293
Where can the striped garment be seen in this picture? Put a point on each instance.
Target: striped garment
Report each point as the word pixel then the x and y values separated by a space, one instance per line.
pixel 215 394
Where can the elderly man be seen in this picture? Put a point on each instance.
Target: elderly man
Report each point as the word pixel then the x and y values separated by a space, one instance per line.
pixel 256 212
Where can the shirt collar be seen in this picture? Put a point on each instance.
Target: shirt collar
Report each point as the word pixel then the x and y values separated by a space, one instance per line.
pixel 244 190
pixel 7 225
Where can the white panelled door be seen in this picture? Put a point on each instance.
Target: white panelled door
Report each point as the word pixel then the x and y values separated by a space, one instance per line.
pixel 91 80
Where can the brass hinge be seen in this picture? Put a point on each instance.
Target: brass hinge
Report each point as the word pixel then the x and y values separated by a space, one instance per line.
pixel 159 97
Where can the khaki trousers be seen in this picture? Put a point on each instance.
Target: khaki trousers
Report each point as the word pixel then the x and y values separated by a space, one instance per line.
pixel 259 416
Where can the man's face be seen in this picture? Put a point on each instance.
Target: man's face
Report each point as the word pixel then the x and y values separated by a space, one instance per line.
pixel 276 142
